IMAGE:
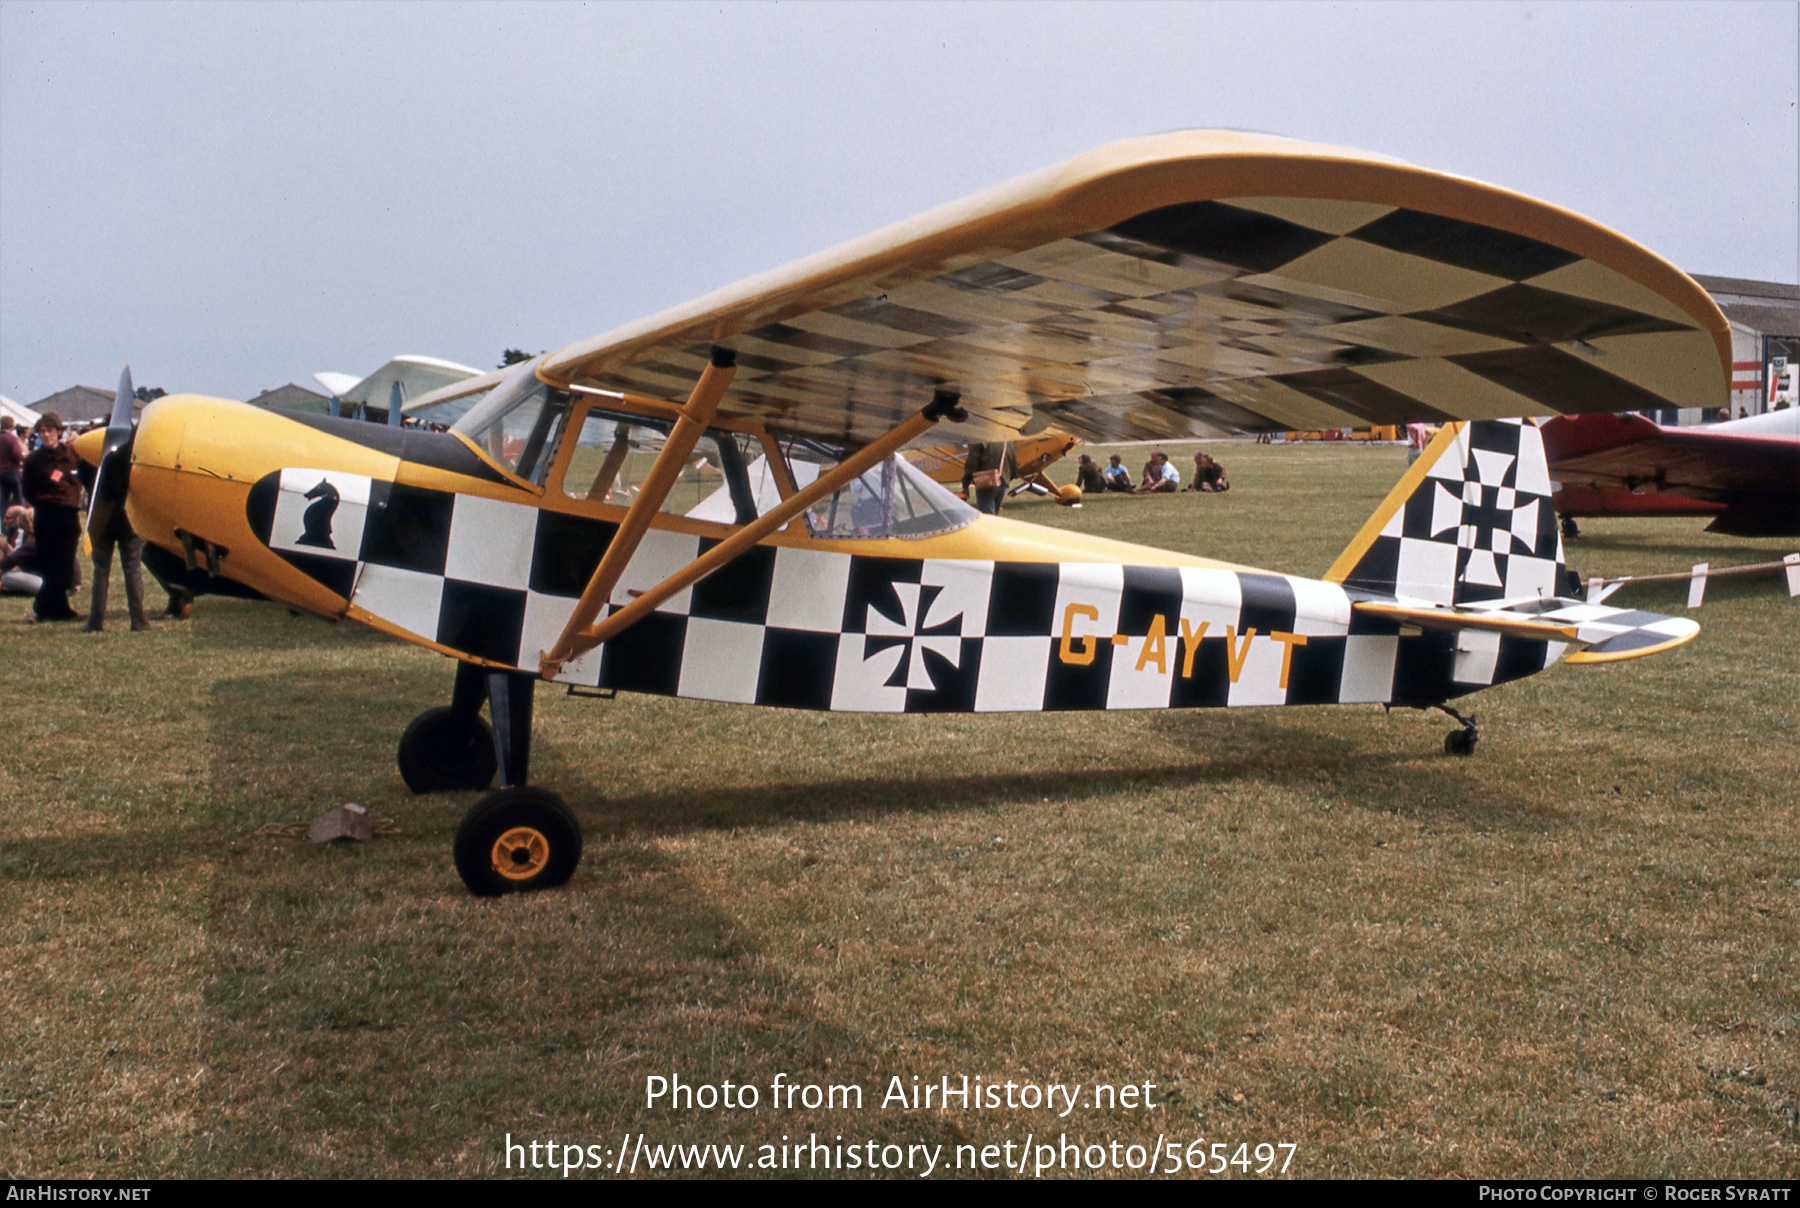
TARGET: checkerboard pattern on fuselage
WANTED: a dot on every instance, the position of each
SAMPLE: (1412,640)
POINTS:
(818,629)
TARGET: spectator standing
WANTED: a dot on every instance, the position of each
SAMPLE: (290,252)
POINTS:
(181,603)
(118,535)
(53,489)
(12,465)
(988,465)
(1417,437)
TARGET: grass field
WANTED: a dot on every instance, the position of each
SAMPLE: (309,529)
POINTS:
(1576,953)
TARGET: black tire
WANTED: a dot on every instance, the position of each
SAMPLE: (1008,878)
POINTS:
(1460,742)
(442,751)
(515,840)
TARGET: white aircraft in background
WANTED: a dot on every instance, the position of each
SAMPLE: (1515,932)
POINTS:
(386,390)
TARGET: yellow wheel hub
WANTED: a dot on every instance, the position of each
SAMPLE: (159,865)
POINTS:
(521,853)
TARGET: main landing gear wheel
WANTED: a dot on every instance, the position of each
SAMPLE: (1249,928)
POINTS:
(1460,742)
(445,749)
(517,839)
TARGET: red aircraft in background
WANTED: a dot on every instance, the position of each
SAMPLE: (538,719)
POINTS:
(1744,473)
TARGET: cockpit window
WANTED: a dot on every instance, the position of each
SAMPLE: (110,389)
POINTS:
(518,424)
(614,452)
(892,499)
(728,479)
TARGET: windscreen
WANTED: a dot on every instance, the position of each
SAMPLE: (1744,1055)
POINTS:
(892,499)
(520,430)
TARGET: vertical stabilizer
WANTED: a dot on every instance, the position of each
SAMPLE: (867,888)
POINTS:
(1471,520)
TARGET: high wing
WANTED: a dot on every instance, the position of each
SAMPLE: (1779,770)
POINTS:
(1194,284)
(1747,471)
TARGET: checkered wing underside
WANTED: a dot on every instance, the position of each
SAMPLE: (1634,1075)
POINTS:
(1219,314)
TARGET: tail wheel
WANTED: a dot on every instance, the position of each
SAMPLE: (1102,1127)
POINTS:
(1460,742)
(443,750)
(515,840)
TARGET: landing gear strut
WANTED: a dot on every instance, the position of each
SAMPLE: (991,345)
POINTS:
(518,837)
(1460,742)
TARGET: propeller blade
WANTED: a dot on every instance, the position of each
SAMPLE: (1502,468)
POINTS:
(122,402)
(113,477)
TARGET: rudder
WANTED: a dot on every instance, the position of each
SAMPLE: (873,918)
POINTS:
(1471,520)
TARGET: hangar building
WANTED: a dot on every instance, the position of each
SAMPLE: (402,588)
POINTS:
(1765,342)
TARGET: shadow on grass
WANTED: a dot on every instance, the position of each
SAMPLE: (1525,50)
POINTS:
(341,729)
(277,747)
(449,1021)
(343,987)
(226,624)
(1261,753)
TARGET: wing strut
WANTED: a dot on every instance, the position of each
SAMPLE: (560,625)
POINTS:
(580,635)
(701,405)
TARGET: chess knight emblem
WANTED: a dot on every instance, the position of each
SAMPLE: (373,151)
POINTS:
(317,517)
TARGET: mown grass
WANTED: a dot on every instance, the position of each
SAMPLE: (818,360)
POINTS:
(1572,954)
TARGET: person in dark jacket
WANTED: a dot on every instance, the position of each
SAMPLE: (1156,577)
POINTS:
(53,489)
(12,461)
(1209,475)
(986,469)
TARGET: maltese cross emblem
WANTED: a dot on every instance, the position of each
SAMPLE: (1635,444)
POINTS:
(912,634)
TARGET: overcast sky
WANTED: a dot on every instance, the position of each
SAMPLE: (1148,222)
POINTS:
(235,196)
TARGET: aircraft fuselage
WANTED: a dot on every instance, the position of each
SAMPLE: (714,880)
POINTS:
(420,535)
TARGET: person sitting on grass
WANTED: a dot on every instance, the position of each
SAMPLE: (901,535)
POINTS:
(19,554)
(1088,476)
(1118,478)
(1209,475)
(1159,476)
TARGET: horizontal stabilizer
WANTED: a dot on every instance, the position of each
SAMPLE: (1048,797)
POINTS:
(1663,633)
(1453,619)
(1610,634)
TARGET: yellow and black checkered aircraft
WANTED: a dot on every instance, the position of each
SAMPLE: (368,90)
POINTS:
(710,503)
